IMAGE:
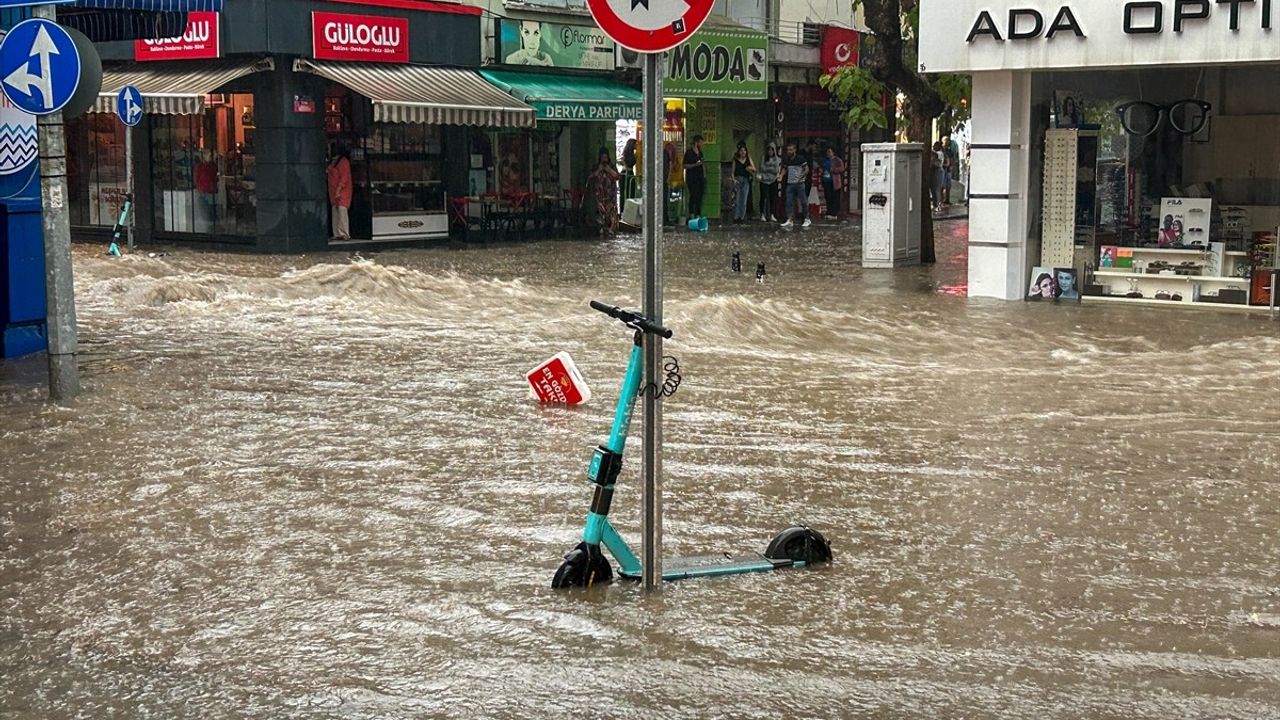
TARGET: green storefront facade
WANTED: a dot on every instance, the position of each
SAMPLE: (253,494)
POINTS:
(719,80)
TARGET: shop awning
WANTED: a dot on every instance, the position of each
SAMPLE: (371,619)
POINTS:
(569,97)
(422,94)
(176,88)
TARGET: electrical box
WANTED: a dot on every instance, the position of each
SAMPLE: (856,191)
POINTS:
(891,204)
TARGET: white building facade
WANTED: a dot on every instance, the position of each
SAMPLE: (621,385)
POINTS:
(1133,142)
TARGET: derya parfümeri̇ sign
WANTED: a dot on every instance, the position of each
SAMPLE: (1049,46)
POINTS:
(719,64)
(544,44)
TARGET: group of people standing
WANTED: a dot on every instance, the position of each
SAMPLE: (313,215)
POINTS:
(789,176)
(946,167)
(786,180)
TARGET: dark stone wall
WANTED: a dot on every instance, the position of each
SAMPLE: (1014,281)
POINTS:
(293,206)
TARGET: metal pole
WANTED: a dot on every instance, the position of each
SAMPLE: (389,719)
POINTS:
(64,376)
(128,173)
(651,516)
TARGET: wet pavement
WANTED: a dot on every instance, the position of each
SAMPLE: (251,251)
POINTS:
(306,487)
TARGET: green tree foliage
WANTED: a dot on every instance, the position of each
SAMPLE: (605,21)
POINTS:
(890,65)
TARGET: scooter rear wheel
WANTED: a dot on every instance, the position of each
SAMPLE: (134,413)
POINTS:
(583,566)
(799,544)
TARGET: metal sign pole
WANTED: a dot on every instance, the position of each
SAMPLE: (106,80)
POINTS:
(64,376)
(651,515)
(128,174)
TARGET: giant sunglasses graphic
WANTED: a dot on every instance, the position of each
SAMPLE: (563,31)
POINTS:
(1143,118)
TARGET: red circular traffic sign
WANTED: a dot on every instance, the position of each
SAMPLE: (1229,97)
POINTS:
(650,26)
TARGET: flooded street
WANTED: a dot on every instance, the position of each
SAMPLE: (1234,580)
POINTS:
(305,487)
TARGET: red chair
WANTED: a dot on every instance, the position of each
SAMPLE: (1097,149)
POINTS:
(460,218)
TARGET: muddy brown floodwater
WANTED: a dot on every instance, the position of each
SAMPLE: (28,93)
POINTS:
(306,487)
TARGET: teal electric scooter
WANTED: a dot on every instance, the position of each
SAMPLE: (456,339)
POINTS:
(586,564)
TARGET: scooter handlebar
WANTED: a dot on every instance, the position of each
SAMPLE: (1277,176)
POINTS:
(632,319)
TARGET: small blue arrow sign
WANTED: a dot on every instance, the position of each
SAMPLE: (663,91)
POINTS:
(129,105)
(39,66)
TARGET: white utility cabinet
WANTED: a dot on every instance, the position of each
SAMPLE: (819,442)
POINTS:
(891,206)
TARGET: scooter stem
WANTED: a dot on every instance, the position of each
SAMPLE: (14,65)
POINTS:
(606,463)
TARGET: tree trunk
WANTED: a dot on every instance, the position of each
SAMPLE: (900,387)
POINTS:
(922,132)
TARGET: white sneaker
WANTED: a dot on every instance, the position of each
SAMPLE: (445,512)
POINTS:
(763,218)
(807,222)
(788,224)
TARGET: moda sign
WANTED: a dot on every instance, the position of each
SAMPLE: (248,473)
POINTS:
(202,40)
(719,64)
(362,38)
(975,35)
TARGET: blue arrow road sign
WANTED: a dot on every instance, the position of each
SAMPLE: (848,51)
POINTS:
(129,105)
(39,66)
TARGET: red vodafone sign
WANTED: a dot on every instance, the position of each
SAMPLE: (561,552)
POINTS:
(650,26)
(201,40)
(363,38)
(839,48)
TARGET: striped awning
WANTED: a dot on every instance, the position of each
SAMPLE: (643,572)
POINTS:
(153,5)
(422,94)
(176,88)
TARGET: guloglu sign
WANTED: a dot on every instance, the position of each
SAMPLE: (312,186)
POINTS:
(361,38)
(202,40)
(977,35)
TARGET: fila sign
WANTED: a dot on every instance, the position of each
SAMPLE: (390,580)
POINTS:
(976,35)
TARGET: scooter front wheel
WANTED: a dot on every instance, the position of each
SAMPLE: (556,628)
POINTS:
(583,566)
(799,544)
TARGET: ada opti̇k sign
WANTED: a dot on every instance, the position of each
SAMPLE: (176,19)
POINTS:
(719,64)
(978,35)
(202,40)
(362,38)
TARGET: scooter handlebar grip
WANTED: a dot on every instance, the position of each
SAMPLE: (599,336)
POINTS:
(631,319)
(656,329)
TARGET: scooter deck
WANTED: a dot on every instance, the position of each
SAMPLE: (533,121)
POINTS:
(716,565)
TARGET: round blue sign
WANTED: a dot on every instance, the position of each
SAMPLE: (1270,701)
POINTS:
(39,66)
(129,105)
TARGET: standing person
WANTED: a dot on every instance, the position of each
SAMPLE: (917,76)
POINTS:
(948,168)
(744,169)
(796,172)
(832,182)
(695,176)
(936,177)
(629,168)
(206,179)
(770,183)
(339,176)
(603,184)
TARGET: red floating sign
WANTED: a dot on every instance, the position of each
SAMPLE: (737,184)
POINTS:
(650,26)
(362,38)
(557,381)
(202,40)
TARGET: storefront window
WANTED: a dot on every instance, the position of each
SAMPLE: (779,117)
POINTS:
(96,175)
(403,167)
(204,169)
(1171,179)
(513,163)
